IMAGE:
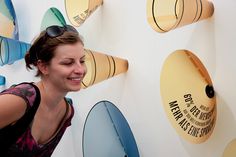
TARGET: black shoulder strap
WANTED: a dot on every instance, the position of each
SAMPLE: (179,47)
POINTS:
(10,134)
(69,101)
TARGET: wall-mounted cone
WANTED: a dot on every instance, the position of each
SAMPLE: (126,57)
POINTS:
(101,67)
(79,10)
(166,15)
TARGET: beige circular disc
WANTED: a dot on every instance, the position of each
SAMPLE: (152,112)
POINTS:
(188,96)
(230,150)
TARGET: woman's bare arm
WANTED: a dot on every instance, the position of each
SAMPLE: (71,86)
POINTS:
(12,108)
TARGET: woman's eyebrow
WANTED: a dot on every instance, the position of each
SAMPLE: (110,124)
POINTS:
(83,57)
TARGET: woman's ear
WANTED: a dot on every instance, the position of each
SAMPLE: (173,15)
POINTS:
(43,67)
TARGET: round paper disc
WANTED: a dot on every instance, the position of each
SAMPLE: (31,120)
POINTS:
(188,96)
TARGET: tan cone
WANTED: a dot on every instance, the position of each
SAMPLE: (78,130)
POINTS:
(166,15)
(101,67)
(79,10)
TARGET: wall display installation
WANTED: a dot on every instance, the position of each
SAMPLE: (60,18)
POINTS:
(188,96)
(166,15)
(113,136)
(186,88)
(101,67)
(79,10)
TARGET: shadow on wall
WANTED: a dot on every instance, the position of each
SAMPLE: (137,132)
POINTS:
(223,131)
(205,48)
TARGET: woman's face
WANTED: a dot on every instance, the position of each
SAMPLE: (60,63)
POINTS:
(67,68)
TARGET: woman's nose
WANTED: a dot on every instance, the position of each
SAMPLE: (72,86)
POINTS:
(80,68)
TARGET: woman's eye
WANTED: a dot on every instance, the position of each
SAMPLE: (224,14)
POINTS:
(82,61)
(67,63)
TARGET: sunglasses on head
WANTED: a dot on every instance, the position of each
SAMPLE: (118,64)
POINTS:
(55,31)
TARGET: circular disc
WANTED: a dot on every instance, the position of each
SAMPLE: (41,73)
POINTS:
(107,133)
(230,149)
(188,96)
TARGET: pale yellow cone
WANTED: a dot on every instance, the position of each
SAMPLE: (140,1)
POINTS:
(101,67)
(79,10)
(166,15)
(6,26)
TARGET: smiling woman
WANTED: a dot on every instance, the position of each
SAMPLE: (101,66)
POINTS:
(34,116)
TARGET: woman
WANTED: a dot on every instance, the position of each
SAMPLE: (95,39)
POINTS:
(34,116)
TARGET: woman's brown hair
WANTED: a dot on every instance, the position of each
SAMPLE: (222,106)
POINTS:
(44,46)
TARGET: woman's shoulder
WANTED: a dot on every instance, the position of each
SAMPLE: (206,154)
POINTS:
(26,90)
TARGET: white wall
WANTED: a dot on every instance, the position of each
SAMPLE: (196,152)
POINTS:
(120,28)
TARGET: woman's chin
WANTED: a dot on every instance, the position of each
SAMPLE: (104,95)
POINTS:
(74,86)
(75,89)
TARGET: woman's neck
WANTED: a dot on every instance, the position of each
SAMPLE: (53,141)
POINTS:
(51,95)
